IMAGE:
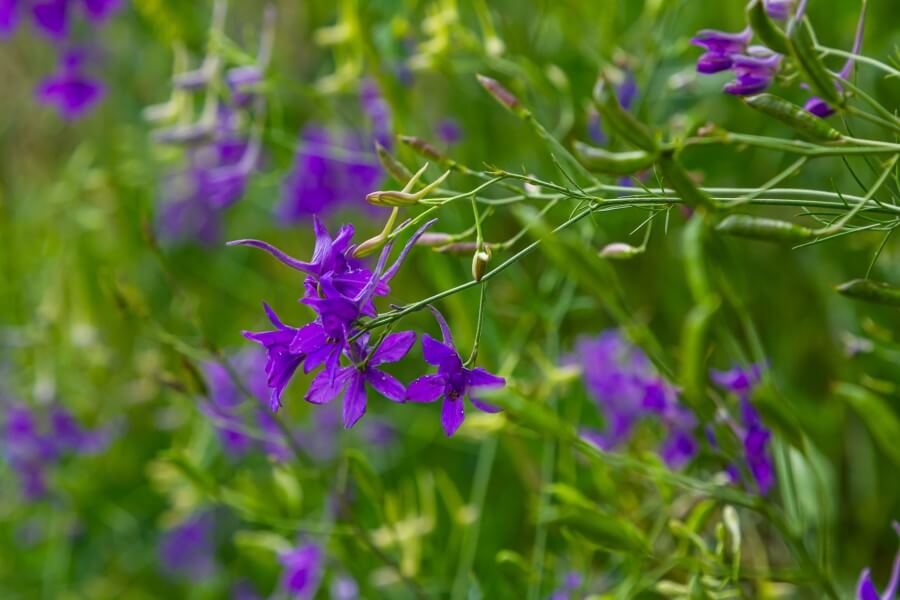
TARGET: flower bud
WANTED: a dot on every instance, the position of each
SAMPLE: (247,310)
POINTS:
(422,148)
(619,251)
(502,95)
(394,167)
(431,240)
(405,197)
(479,263)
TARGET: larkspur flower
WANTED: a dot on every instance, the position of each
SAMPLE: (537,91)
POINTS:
(351,380)
(865,588)
(70,90)
(340,291)
(626,387)
(754,436)
(754,71)
(449,131)
(302,571)
(453,381)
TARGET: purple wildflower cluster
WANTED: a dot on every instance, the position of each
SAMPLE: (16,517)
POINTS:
(331,168)
(220,153)
(755,67)
(865,589)
(340,289)
(752,433)
(71,89)
(626,388)
(32,449)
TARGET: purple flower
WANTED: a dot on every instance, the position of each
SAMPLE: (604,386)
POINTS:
(753,434)
(281,362)
(779,9)
(816,105)
(720,48)
(569,587)
(327,173)
(187,550)
(70,90)
(449,131)
(753,72)
(627,388)
(865,589)
(378,111)
(453,381)
(352,380)
(302,571)
(52,17)
(8,17)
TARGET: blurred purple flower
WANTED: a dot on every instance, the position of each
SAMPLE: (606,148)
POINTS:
(378,111)
(816,105)
(779,9)
(626,387)
(453,382)
(302,571)
(70,90)
(865,589)
(720,48)
(754,72)
(344,587)
(449,131)
(31,452)
(569,587)
(753,434)
(327,172)
(187,550)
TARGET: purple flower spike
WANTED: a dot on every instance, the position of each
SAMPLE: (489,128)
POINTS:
(281,361)
(70,90)
(865,589)
(453,382)
(302,571)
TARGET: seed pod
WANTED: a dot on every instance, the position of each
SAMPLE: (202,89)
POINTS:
(619,251)
(871,291)
(502,95)
(394,167)
(801,121)
(765,29)
(683,185)
(479,263)
(612,163)
(620,120)
(761,228)
(803,49)
(423,148)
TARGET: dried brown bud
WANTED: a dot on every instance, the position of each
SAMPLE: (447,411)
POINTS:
(423,148)
(431,240)
(501,94)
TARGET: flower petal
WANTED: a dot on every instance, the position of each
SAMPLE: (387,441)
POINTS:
(386,385)
(324,388)
(452,415)
(393,348)
(355,400)
(427,388)
(479,378)
(865,589)
(309,338)
(484,406)
(442,323)
(278,254)
(436,353)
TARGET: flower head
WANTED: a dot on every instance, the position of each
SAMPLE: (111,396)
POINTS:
(453,381)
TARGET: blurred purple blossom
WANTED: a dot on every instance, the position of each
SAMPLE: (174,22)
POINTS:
(301,571)
(187,550)
(779,9)
(622,381)
(31,450)
(70,90)
(449,131)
